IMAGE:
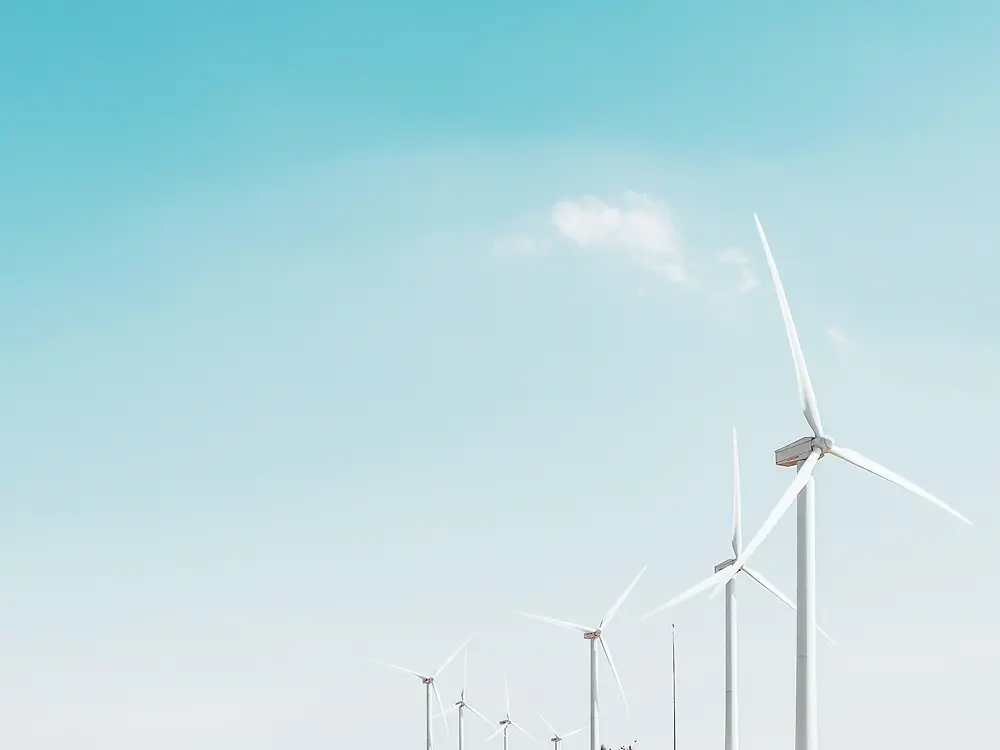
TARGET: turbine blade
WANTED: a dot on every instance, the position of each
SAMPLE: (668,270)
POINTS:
(767,585)
(401,669)
(506,694)
(717,590)
(719,578)
(786,502)
(451,658)
(575,731)
(550,728)
(493,735)
(621,599)
(522,731)
(560,623)
(807,399)
(476,712)
(878,470)
(437,696)
(614,671)
(737,501)
(465,672)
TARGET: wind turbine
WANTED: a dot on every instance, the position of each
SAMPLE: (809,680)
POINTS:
(804,454)
(430,686)
(732,698)
(556,737)
(506,723)
(461,704)
(595,635)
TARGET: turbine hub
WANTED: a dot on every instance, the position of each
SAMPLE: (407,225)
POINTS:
(428,680)
(824,443)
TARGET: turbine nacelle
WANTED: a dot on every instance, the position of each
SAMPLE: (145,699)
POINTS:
(427,680)
(725,564)
(794,453)
(593,635)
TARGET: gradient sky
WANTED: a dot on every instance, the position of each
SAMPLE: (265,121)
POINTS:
(334,334)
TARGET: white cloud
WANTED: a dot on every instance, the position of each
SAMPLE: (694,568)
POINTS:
(734,256)
(839,337)
(640,228)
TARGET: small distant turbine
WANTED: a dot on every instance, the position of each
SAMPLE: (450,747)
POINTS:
(506,723)
(556,737)
(430,686)
(461,704)
(595,635)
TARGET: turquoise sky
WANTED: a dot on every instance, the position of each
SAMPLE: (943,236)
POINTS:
(334,334)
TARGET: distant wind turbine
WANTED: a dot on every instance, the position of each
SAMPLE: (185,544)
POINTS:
(430,686)
(506,723)
(461,705)
(732,682)
(595,635)
(556,737)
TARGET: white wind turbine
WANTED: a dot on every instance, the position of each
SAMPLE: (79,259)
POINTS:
(506,722)
(556,737)
(804,454)
(595,635)
(461,704)
(732,682)
(430,686)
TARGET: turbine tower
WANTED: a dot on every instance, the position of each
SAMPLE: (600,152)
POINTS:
(804,454)
(732,682)
(461,704)
(595,635)
(506,722)
(556,737)
(429,687)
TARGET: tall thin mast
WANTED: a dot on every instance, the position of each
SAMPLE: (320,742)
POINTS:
(673,669)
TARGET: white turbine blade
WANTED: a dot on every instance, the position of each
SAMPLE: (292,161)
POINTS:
(465,672)
(522,731)
(614,671)
(717,590)
(451,658)
(621,599)
(401,669)
(506,695)
(878,470)
(477,713)
(737,502)
(766,584)
(719,578)
(444,717)
(575,731)
(550,728)
(807,398)
(560,623)
(786,502)
(499,731)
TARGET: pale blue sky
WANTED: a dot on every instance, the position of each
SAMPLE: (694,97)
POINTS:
(300,370)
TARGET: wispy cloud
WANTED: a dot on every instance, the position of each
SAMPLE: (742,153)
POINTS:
(840,337)
(735,257)
(639,228)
